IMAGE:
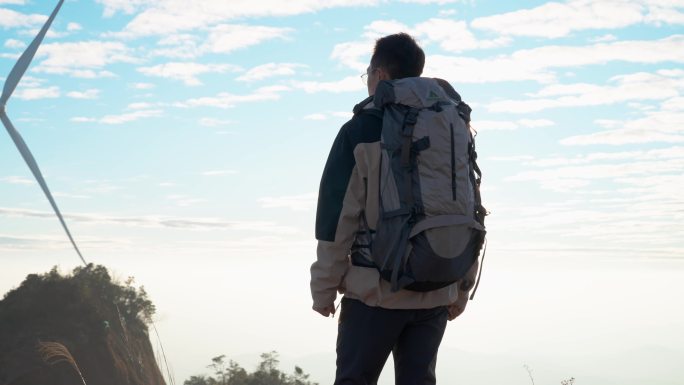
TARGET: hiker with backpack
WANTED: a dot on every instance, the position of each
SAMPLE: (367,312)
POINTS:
(399,221)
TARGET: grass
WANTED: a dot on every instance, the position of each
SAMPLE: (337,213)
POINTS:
(54,352)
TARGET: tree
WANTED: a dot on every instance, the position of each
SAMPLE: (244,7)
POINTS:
(266,373)
(196,380)
(236,374)
(219,368)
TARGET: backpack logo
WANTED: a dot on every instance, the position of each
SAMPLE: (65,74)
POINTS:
(432,96)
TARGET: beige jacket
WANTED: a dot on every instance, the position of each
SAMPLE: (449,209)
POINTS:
(350,186)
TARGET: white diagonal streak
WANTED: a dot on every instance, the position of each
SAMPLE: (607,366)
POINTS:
(10,85)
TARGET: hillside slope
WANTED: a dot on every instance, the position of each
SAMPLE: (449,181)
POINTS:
(100,323)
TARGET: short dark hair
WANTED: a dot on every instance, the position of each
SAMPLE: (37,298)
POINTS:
(399,55)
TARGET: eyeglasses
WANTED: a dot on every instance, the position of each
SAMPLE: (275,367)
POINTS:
(364,77)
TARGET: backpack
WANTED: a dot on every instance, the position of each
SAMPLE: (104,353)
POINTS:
(430,228)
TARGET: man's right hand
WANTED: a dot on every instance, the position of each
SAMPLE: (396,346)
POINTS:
(326,311)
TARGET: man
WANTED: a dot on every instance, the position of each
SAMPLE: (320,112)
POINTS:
(374,320)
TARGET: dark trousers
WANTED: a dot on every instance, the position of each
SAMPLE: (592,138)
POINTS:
(366,336)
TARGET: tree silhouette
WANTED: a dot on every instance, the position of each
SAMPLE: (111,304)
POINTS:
(266,373)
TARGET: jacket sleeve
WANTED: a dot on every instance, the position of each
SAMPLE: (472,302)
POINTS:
(465,285)
(339,205)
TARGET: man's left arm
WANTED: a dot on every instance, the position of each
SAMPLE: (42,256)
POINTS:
(464,285)
(336,222)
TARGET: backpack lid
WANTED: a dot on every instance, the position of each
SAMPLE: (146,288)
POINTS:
(413,92)
(419,92)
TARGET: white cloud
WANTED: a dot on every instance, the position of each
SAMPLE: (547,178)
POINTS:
(470,70)
(570,177)
(6,55)
(665,12)
(222,38)
(329,115)
(316,117)
(213,122)
(658,126)
(342,114)
(226,38)
(51,33)
(37,93)
(268,70)
(140,106)
(121,118)
(186,72)
(59,194)
(534,123)
(74,27)
(155,221)
(142,86)
(510,158)
(184,200)
(507,125)
(162,17)
(554,19)
(87,94)
(638,86)
(451,35)
(181,45)
(604,38)
(303,202)
(348,84)
(674,104)
(17,180)
(447,12)
(12,243)
(125,6)
(14,43)
(661,154)
(438,2)
(13,19)
(355,55)
(380,28)
(15,2)
(228,100)
(85,59)
(536,63)
(130,116)
(454,36)
(82,119)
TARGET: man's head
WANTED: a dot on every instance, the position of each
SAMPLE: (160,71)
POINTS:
(394,57)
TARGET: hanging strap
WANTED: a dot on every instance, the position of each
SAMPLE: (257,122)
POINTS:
(479,274)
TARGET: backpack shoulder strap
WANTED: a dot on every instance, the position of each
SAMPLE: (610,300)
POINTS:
(364,108)
(464,109)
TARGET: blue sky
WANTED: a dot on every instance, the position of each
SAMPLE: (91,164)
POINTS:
(184,142)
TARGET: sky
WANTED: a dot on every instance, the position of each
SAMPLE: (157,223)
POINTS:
(184,142)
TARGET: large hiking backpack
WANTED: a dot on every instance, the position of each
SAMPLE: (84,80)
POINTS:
(430,228)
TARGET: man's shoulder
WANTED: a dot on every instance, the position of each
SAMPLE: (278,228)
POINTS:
(364,127)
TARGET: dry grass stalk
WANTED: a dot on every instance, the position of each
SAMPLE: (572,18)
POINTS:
(529,371)
(54,352)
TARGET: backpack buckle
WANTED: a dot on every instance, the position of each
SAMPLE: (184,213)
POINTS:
(411,117)
(414,213)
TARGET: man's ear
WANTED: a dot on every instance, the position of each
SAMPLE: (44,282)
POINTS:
(383,75)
